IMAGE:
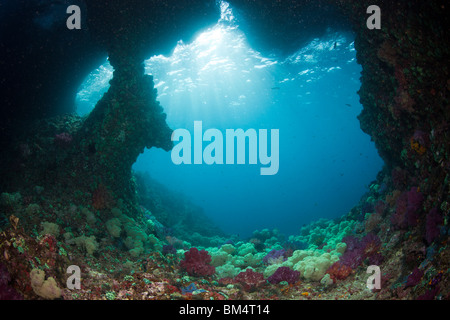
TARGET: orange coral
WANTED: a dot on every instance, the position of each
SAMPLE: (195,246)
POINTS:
(417,147)
(339,271)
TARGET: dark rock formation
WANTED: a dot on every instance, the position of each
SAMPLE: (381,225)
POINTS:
(405,90)
(284,26)
(43,63)
(48,62)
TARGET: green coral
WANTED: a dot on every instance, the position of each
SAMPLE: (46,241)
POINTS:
(324,233)
(110,295)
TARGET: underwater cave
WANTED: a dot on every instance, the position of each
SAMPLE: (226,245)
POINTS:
(326,160)
(89,133)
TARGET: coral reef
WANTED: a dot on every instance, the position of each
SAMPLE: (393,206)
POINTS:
(69,197)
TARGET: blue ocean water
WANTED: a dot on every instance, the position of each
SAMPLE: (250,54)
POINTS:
(325,161)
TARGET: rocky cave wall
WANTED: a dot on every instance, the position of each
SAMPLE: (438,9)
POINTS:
(405,91)
(98,153)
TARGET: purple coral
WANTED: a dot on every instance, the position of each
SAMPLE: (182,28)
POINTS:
(398,218)
(274,255)
(371,246)
(407,209)
(414,278)
(7,292)
(284,274)
(430,294)
(359,250)
(415,200)
(352,256)
(432,231)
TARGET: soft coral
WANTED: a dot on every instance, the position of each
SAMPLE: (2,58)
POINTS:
(250,279)
(359,250)
(339,271)
(196,263)
(7,292)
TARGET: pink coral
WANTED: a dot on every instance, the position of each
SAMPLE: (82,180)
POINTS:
(250,279)
(197,263)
